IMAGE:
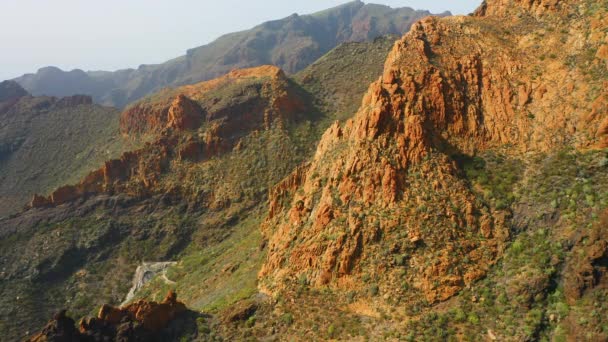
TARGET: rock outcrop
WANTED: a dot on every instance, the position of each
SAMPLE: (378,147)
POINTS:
(184,114)
(143,169)
(386,180)
(202,121)
(181,113)
(187,107)
(141,321)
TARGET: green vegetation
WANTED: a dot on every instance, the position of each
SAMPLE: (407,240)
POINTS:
(493,176)
(523,297)
(339,79)
(202,275)
(43,146)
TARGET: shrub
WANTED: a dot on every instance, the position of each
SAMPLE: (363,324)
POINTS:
(400,260)
(459,315)
(374,290)
(250,322)
(331,331)
(287,318)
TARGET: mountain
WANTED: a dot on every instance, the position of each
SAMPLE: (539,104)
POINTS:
(46,142)
(291,44)
(465,196)
(196,191)
(464,200)
(10,90)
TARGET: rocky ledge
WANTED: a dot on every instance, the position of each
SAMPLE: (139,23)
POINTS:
(140,321)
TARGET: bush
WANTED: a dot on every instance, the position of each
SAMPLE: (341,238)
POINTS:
(250,322)
(287,318)
(374,290)
(459,315)
(331,331)
(400,260)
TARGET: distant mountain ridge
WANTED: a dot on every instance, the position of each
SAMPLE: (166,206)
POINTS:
(291,43)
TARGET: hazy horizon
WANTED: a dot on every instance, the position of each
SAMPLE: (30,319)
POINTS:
(113,35)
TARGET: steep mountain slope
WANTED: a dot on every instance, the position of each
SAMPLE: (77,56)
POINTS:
(196,195)
(46,142)
(450,157)
(291,43)
(465,200)
(338,79)
(79,247)
(10,91)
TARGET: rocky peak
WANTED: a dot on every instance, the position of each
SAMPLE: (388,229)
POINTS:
(11,90)
(451,85)
(509,7)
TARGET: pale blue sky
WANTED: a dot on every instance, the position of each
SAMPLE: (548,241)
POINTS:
(117,34)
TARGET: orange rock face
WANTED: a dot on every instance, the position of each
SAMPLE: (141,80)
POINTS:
(190,126)
(113,324)
(181,113)
(181,108)
(154,316)
(385,180)
(502,7)
(184,114)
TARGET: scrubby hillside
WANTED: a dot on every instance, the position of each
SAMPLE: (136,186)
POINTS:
(465,200)
(196,195)
(338,79)
(46,142)
(291,43)
(465,190)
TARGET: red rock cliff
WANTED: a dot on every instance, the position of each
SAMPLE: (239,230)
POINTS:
(385,179)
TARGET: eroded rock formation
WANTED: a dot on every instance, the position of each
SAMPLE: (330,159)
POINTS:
(139,321)
(386,180)
(200,122)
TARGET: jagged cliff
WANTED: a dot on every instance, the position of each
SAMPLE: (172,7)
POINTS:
(193,123)
(387,197)
(464,200)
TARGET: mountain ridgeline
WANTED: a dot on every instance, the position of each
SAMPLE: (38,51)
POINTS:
(291,44)
(449,185)
(196,191)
